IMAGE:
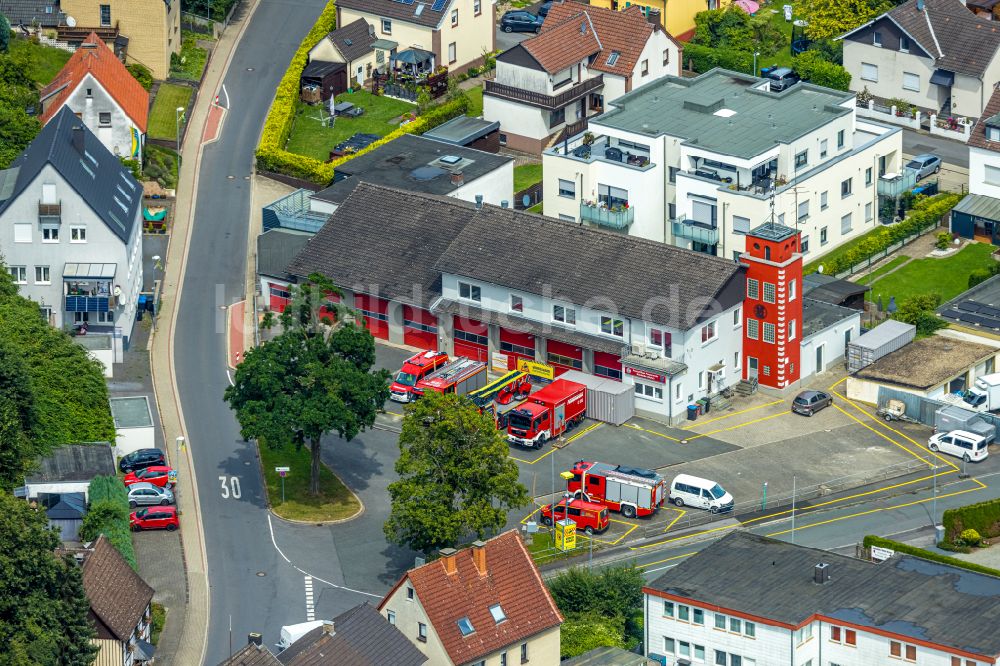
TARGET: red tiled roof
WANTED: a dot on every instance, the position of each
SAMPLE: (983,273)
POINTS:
(511,580)
(625,32)
(978,137)
(570,41)
(100,62)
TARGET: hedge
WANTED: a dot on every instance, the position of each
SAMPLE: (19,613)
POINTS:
(704,58)
(983,517)
(108,515)
(925,213)
(271,155)
(906,549)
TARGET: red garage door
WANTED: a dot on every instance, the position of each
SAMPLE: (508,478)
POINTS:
(516,346)
(419,328)
(471,339)
(607,365)
(375,311)
(563,357)
(278,298)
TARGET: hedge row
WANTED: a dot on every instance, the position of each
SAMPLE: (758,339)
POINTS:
(703,58)
(983,517)
(906,549)
(926,213)
(108,515)
(271,155)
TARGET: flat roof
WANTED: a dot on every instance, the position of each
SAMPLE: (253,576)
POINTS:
(462,130)
(927,362)
(903,596)
(131,412)
(819,315)
(831,289)
(90,271)
(759,119)
(971,302)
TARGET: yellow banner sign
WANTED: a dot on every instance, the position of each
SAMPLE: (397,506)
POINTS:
(565,535)
(536,369)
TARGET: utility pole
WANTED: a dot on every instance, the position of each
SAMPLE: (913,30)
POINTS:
(793,509)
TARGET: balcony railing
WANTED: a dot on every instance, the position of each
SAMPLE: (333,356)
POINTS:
(894,184)
(87,304)
(701,232)
(618,219)
(49,212)
(541,99)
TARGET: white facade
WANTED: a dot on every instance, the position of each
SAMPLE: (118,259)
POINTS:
(823,349)
(984,172)
(33,490)
(106,118)
(713,635)
(37,253)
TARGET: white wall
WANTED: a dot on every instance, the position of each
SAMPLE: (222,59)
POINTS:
(496,186)
(978,161)
(521,119)
(34,489)
(834,347)
(118,136)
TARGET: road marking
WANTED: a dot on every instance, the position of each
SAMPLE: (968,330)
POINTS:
(737,427)
(686,536)
(669,559)
(552,449)
(229,376)
(883,435)
(695,424)
(680,514)
(273,542)
(310,606)
(651,432)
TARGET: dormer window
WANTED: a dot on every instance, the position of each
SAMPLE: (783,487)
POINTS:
(993,132)
(613,58)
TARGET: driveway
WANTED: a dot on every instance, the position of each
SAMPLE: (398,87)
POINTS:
(507,40)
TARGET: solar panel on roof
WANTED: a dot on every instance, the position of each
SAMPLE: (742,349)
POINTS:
(405,2)
(988,322)
(969,306)
(439,5)
(989,311)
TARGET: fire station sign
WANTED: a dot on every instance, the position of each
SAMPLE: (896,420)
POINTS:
(536,369)
(645,374)
(565,534)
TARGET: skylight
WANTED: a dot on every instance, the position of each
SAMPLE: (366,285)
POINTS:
(465,626)
(725,113)
(86,168)
(497,612)
(613,58)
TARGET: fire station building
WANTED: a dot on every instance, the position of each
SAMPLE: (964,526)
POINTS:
(500,285)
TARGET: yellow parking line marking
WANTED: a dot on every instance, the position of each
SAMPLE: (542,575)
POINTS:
(736,427)
(524,521)
(669,559)
(884,436)
(591,427)
(839,382)
(527,462)
(686,536)
(651,432)
(632,528)
(552,449)
(742,411)
(680,514)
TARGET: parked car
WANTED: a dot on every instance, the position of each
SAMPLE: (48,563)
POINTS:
(154,518)
(924,164)
(146,494)
(158,475)
(687,490)
(592,518)
(543,11)
(519,20)
(780,78)
(963,444)
(810,402)
(141,459)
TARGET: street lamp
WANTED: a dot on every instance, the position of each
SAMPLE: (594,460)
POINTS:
(178,116)
(755,54)
(156,266)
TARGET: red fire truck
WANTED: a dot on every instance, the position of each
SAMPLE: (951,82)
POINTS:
(414,369)
(633,491)
(460,376)
(558,407)
(502,395)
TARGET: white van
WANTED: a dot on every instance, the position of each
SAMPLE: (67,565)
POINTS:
(687,490)
(960,443)
(293,632)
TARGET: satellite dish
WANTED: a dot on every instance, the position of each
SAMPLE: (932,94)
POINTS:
(819,269)
(118,291)
(70,21)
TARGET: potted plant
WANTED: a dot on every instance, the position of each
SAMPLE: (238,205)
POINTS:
(588,138)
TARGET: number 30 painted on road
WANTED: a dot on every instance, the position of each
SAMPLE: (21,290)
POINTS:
(230,487)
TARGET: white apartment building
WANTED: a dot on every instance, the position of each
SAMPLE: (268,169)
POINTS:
(699,162)
(747,600)
(71,230)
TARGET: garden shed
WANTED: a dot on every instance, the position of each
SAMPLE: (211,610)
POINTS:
(324,79)
(133,424)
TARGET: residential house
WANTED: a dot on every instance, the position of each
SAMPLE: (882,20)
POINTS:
(978,214)
(147,31)
(65,512)
(934,54)
(29,13)
(746,600)
(69,469)
(71,230)
(120,605)
(444,33)
(486,604)
(351,48)
(677,17)
(584,58)
(95,86)
(697,162)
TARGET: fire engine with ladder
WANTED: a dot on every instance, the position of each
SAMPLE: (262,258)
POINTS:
(461,376)
(502,395)
(632,491)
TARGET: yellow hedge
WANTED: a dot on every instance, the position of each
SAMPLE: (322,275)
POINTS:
(271,155)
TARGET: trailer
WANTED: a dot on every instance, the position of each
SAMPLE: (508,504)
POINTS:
(547,414)
(461,376)
(632,491)
(950,418)
(895,410)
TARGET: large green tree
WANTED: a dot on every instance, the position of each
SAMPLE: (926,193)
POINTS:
(455,476)
(17,92)
(601,608)
(18,418)
(43,608)
(313,378)
(831,19)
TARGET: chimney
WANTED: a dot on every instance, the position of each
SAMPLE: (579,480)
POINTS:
(479,202)
(821,573)
(328,628)
(457,179)
(448,557)
(254,638)
(505,204)
(479,556)
(78,136)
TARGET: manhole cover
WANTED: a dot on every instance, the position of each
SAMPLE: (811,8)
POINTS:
(230,177)
(261,574)
(249,69)
(246,177)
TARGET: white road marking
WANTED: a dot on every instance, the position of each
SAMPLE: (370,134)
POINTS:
(226,94)
(669,566)
(310,607)
(275,543)
(230,378)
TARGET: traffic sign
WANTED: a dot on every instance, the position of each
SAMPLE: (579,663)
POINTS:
(280,470)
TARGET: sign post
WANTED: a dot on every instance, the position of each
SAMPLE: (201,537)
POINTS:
(282,471)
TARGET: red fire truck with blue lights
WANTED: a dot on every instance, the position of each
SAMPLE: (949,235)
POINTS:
(414,369)
(461,376)
(545,415)
(632,491)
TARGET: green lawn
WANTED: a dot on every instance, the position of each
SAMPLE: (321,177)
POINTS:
(783,58)
(527,175)
(882,270)
(475,101)
(335,501)
(947,277)
(311,138)
(537,208)
(45,61)
(163,115)
(193,57)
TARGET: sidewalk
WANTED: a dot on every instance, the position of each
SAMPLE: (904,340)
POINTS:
(193,622)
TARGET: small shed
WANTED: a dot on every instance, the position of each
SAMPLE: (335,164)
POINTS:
(133,424)
(65,512)
(469,132)
(69,469)
(884,339)
(608,400)
(835,291)
(328,79)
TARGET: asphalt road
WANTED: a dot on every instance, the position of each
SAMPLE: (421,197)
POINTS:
(236,529)
(952,152)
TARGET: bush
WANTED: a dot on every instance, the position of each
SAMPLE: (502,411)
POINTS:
(582,633)
(812,67)
(970,537)
(919,311)
(108,515)
(982,518)
(141,74)
(943,240)
(612,599)
(133,166)
(732,29)
(907,549)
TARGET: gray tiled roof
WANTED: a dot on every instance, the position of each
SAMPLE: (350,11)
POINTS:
(75,462)
(45,13)
(960,41)
(277,247)
(354,40)
(252,655)
(54,145)
(418,12)
(686,108)
(904,596)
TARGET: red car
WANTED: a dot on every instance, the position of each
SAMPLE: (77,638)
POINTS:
(158,475)
(154,518)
